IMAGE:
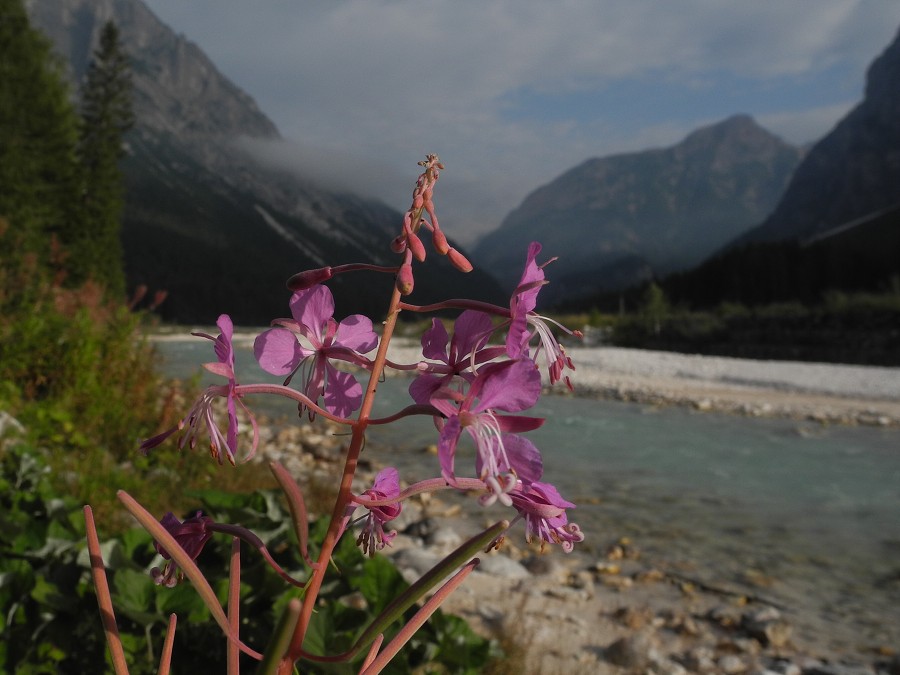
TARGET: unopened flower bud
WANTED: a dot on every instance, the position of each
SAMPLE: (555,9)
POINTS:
(439,241)
(303,280)
(405,280)
(459,261)
(416,246)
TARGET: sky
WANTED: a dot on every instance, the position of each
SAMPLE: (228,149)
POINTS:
(512,93)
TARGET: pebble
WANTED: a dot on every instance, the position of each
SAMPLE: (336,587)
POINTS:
(549,566)
(445,538)
(502,566)
(730,664)
(767,626)
(699,660)
(632,652)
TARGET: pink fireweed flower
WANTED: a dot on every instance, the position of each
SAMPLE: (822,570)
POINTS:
(459,355)
(544,512)
(521,307)
(278,351)
(509,386)
(202,413)
(373,537)
(192,535)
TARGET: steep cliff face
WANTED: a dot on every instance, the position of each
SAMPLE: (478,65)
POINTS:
(852,172)
(615,220)
(177,89)
(204,218)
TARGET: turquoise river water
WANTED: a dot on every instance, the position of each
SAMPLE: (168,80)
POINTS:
(721,498)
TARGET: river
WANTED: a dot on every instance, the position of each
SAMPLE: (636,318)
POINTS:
(805,515)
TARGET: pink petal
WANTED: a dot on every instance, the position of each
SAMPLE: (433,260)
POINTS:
(343,394)
(447,447)
(524,300)
(388,482)
(355,332)
(525,458)
(277,351)
(312,308)
(226,327)
(511,386)
(551,495)
(219,368)
(517,424)
(422,388)
(434,342)
(470,330)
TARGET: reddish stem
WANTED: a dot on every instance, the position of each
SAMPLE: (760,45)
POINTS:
(104,599)
(345,492)
(234,607)
(165,660)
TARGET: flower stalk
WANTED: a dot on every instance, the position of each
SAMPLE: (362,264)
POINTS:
(473,387)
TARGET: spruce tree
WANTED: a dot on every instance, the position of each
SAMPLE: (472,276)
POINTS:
(106,115)
(39,174)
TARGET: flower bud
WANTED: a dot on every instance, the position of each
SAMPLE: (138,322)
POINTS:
(416,246)
(439,241)
(303,280)
(459,260)
(405,280)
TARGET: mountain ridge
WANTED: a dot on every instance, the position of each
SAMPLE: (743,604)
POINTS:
(654,211)
(205,219)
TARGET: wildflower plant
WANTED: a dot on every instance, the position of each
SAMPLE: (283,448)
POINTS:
(476,383)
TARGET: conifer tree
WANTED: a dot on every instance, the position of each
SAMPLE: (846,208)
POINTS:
(39,174)
(106,115)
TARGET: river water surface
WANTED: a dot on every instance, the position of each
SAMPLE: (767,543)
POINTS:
(805,515)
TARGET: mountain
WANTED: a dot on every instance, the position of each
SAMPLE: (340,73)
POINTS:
(853,172)
(837,227)
(206,218)
(618,220)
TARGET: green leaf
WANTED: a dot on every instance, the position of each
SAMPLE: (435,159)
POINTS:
(380,582)
(183,601)
(134,590)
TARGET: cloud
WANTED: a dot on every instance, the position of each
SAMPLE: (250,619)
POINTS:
(382,82)
(805,126)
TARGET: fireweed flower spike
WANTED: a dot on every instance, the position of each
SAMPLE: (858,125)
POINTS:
(521,307)
(510,386)
(278,351)
(202,412)
(192,534)
(373,537)
(544,512)
(464,383)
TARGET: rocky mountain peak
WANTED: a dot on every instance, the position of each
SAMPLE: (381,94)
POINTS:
(650,212)
(736,139)
(177,89)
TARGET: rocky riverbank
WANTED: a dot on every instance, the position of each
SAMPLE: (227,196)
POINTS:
(618,608)
(614,610)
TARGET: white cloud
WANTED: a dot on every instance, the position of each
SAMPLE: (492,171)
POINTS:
(389,80)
